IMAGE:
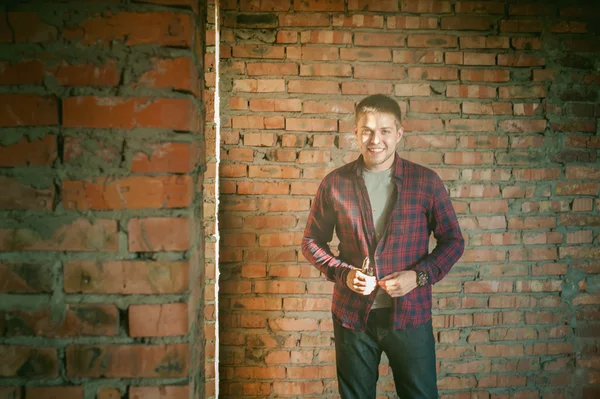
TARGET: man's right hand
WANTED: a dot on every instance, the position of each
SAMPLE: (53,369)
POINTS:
(361,283)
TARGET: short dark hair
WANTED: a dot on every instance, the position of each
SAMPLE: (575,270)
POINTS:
(378,103)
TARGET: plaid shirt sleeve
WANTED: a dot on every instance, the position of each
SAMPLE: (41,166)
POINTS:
(318,234)
(442,221)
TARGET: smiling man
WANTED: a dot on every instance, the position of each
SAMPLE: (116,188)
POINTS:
(383,210)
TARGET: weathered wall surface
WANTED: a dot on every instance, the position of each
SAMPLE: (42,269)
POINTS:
(500,99)
(101,166)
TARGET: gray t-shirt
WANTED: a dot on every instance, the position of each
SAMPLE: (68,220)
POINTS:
(380,187)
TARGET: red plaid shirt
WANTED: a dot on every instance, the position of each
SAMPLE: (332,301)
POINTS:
(422,206)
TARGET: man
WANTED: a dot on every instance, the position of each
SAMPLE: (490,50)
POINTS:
(383,209)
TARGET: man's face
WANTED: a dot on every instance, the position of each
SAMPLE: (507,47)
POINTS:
(377,136)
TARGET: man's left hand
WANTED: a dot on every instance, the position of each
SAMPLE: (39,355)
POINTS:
(399,283)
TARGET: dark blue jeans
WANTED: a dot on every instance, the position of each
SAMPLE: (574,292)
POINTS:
(411,354)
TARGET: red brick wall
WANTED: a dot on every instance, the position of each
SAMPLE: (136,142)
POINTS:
(500,99)
(102,157)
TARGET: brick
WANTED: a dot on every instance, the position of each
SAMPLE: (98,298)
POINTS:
(443,107)
(259,85)
(25,278)
(325,70)
(164,320)
(527,109)
(358,21)
(127,361)
(28,362)
(468,158)
(479,58)
(10,392)
(569,27)
(523,126)
(370,55)
(19,196)
(311,124)
(268,68)
(262,188)
(158,234)
(583,172)
(280,287)
(282,205)
(532,9)
(27,27)
(485,75)
(169,29)
(314,157)
(318,5)
(260,139)
(478,7)
(481,141)
(433,73)
(420,125)
(470,125)
(418,56)
(381,72)
(171,73)
(275,105)
(467,23)
(470,91)
(166,158)
(324,107)
(379,39)
(457,382)
(87,74)
(54,392)
(128,113)
(429,141)
(60,235)
(313,86)
(493,42)
(475,191)
(265,5)
(532,222)
(287,37)
(575,125)
(21,73)
(126,277)
(270,222)
(313,53)
(257,51)
(366,5)
(520,60)
(366,88)
(100,151)
(495,108)
(159,392)
(438,41)
(304,19)
(109,393)
(412,90)
(520,26)
(577,188)
(75,320)
(135,192)
(325,37)
(522,92)
(411,22)
(27,110)
(425,6)
(526,43)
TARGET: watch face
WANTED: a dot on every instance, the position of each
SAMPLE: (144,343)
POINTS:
(422,279)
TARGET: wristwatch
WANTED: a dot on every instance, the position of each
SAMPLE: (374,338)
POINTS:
(422,278)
